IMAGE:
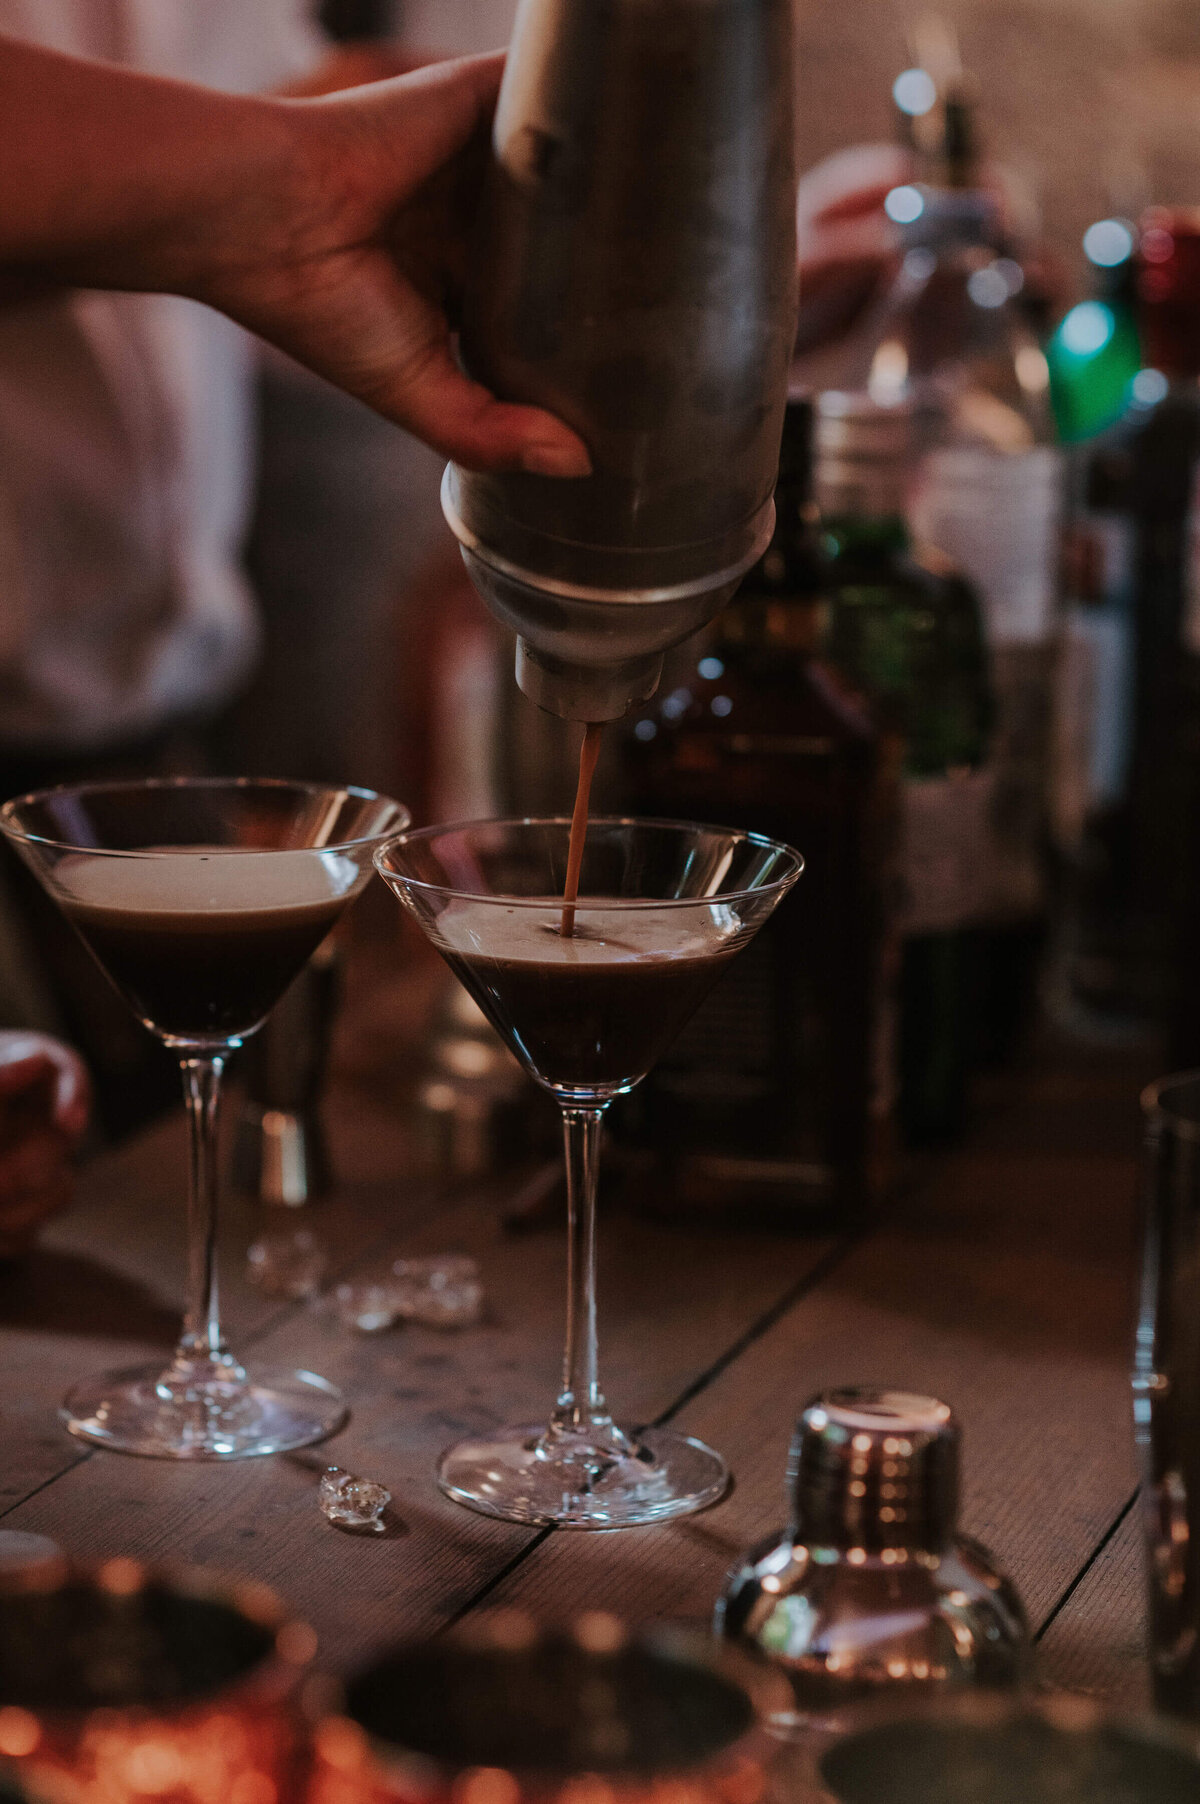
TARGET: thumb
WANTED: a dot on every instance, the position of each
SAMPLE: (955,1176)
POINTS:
(465,421)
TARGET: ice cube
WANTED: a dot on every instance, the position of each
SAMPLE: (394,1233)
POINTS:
(288,1264)
(349,1501)
(441,1292)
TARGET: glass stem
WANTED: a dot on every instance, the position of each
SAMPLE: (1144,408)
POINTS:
(581,1406)
(202,1339)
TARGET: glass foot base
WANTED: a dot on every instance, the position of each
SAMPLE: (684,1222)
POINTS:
(530,1475)
(149,1411)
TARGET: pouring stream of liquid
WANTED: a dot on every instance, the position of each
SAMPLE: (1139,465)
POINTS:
(588,754)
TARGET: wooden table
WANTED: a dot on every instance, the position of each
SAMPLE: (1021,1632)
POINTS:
(1002,1281)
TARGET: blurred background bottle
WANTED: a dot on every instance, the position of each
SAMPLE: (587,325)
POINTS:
(1095,360)
(906,629)
(1129,722)
(1164,455)
(779,1092)
(952,343)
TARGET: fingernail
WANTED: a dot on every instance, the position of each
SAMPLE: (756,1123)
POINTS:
(556,460)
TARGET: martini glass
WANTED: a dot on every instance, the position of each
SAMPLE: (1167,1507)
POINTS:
(201,900)
(663,907)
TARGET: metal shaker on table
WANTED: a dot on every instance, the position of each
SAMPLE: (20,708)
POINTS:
(871,1587)
(635,274)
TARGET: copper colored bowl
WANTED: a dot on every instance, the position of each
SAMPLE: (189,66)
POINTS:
(121,1682)
(503,1713)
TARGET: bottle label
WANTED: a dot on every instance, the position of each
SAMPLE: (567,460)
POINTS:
(997,518)
(946,853)
(1093,709)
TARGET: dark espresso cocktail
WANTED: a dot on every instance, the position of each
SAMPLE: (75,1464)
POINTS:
(203,944)
(594,1010)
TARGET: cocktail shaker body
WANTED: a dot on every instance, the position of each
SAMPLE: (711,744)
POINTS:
(634,273)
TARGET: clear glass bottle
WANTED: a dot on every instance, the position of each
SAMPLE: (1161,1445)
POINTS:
(952,343)
(908,632)
(774,1103)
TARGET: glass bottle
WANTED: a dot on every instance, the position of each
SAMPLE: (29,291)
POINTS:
(908,631)
(1095,364)
(1164,497)
(775,1102)
(1095,352)
(952,343)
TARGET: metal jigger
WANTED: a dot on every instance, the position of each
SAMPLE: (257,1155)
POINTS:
(635,274)
(870,1586)
(279,1151)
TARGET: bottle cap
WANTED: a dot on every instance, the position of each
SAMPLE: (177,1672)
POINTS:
(875,1469)
(862,454)
(1168,287)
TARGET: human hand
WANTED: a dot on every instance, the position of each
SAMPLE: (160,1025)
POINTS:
(847,244)
(356,268)
(44,1099)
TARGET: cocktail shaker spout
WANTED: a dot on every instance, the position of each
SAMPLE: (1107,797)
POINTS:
(634,273)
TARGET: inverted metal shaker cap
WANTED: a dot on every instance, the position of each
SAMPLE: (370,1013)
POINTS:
(875,1469)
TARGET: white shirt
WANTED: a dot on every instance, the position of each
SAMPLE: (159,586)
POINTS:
(126,437)
(460,27)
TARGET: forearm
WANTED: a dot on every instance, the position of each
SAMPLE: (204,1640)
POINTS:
(111,178)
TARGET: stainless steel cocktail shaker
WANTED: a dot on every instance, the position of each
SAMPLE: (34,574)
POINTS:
(634,273)
(870,1587)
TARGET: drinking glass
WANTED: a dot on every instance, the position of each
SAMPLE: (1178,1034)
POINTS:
(201,900)
(663,906)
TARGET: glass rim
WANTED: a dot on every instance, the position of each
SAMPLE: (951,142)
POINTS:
(1155,1102)
(742,835)
(12,831)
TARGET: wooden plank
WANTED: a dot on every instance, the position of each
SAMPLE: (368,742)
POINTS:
(671,1303)
(1005,1287)
(1096,1644)
(104,1287)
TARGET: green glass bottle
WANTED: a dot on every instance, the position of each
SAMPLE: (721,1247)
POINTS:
(1095,352)
(908,630)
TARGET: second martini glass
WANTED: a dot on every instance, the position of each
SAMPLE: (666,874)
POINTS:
(663,907)
(201,900)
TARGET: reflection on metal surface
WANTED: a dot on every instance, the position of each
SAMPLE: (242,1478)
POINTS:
(870,1586)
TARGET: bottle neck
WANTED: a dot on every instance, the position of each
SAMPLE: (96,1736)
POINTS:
(851,533)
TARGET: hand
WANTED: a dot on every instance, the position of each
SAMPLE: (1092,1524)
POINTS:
(847,244)
(360,269)
(352,65)
(336,228)
(44,1099)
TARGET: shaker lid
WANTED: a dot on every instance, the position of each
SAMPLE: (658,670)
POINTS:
(875,1469)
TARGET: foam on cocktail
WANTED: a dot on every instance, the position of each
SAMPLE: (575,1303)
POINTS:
(605,934)
(191,880)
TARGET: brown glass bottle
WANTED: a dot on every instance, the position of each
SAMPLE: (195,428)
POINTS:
(774,1102)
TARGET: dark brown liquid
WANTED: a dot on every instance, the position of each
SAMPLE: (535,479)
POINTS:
(589,752)
(204,976)
(594,1013)
(201,972)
